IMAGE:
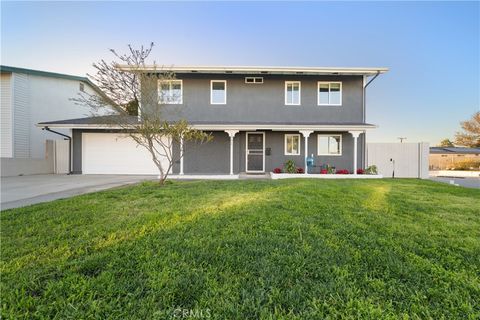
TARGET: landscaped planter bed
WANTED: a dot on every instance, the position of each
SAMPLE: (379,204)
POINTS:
(324,176)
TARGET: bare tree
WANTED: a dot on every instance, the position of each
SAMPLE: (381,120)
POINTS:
(470,137)
(131,84)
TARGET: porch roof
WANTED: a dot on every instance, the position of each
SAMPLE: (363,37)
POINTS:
(118,122)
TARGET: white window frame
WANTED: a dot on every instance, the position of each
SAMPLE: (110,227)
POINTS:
(299,93)
(287,135)
(329,85)
(329,154)
(211,92)
(170,81)
(255,80)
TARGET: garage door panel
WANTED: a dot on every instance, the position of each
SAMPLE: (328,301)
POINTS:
(110,153)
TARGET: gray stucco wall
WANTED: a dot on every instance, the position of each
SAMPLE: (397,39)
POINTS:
(263,102)
(214,157)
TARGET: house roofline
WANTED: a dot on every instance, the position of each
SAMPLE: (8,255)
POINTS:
(42,73)
(9,69)
(260,70)
(222,127)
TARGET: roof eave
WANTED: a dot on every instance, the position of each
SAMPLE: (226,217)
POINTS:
(219,127)
(258,70)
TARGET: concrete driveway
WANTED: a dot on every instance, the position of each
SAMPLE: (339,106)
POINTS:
(26,190)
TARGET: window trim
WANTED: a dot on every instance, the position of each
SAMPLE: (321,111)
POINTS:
(299,93)
(256,80)
(329,90)
(330,154)
(285,150)
(170,89)
(211,92)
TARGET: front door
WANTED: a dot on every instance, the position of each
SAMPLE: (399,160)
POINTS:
(255,152)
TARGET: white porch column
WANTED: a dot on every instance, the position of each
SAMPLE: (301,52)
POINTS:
(181,156)
(231,134)
(355,135)
(306,134)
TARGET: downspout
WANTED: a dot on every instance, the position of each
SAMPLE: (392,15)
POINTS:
(69,146)
(365,117)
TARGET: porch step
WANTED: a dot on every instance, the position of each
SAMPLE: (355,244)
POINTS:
(245,175)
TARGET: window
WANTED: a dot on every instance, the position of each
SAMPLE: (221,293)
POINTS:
(253,80)
(292,144)
(170,91)
(292,93)
(329,93)
(329,145)
(218,92)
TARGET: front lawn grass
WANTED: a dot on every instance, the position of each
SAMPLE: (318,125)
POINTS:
(287,249)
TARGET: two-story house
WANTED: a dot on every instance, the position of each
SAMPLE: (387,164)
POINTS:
(28,97)
(259,118)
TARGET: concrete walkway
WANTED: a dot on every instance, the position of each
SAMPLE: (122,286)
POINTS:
(26,190)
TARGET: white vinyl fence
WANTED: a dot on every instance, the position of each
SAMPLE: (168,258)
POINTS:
(405,160)
(61,156)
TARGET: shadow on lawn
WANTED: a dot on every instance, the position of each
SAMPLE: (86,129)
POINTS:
(257,250)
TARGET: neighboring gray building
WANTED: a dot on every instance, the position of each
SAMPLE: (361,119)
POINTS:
(27,98)
(260,117)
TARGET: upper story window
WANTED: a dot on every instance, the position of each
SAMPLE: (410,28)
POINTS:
(170,91)
(329,145)
(292,93)
(292,144)
(218,92)
(329,93)
(258,80)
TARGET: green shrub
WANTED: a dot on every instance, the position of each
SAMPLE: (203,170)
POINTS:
(290,167)
(371,169)
(330,169)
(467,165)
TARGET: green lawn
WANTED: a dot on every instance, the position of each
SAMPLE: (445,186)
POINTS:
(291,249)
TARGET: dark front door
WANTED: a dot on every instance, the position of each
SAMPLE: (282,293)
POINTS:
(255,151)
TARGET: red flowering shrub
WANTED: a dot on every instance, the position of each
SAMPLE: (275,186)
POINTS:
(300,170)
(360,171)
(342,171)
(323,171)
(277,170)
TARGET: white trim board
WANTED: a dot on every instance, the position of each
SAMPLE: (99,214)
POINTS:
(221,127)
(261,69)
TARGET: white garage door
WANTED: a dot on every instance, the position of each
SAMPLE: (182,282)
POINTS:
(111,153)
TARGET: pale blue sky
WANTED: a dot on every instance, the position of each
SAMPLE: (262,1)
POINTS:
(432,49)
